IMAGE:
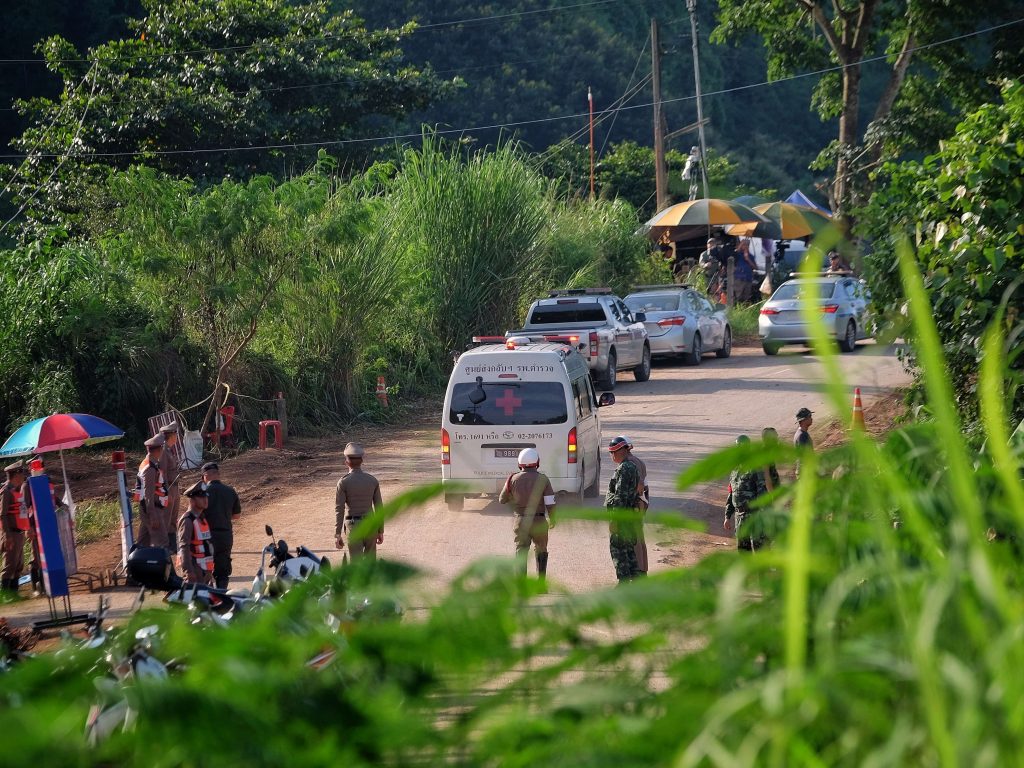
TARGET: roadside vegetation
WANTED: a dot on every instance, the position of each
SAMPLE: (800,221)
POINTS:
(313,286)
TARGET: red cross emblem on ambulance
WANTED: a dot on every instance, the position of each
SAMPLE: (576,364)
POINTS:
(508,402)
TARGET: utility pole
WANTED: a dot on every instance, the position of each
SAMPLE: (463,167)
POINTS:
(691,6)
(660,172)
(590,102)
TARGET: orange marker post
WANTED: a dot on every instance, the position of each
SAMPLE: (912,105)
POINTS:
(382,392)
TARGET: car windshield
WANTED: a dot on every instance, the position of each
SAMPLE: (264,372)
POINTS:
(790,291)
(664,302)
(527,402)
(550,314)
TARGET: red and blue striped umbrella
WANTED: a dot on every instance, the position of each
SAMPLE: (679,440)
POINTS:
(59,432)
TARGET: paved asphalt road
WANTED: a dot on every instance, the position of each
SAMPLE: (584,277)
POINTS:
(680,415)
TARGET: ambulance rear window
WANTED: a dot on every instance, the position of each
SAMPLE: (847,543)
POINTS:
(520,403)
(589,312)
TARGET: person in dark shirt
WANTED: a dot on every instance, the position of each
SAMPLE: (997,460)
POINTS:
(221,512)
(802,439)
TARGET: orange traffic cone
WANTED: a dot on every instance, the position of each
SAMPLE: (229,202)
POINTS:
(858,410)
(382,392)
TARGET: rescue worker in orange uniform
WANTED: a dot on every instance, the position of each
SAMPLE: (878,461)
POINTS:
(151,494)
(357,495)
(14,519)
(534,499)
(171,469)
(195,543)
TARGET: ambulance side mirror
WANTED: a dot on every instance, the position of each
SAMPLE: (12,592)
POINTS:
(606,398)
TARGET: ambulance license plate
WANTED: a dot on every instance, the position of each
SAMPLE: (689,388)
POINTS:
(505,453)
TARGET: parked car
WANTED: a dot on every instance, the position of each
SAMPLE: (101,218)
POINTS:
(597,322)
(841,298)
(681,322)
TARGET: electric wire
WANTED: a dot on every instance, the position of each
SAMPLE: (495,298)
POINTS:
(322,38)
(636,66)
(510,124)
(78,131)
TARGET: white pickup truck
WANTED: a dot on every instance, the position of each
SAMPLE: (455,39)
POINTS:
(609,336)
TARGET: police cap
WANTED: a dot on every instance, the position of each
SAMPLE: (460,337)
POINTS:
(803,413)
(196,489)
(157,441)
(354,451)
(168,429)
(16,467)
(211,466)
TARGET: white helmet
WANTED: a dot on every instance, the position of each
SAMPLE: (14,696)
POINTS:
(528,457)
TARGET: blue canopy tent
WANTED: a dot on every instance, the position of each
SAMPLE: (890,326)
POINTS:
(799,198)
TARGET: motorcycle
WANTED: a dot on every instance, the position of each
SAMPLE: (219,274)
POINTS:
(288,568)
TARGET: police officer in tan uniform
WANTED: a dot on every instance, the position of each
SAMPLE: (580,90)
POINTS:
(534,499)
(357,495)
(171,469)
(14,520)
(152,497)
(195,544)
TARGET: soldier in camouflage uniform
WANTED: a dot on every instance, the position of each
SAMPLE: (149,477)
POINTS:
(744,487)
(624,492)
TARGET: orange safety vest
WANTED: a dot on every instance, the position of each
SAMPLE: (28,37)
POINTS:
(202,546)
(159,493)
(18,511)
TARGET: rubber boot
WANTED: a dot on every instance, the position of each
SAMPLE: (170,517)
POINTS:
(542,564)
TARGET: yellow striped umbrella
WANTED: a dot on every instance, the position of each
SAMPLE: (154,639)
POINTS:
(788,222)
(708,212)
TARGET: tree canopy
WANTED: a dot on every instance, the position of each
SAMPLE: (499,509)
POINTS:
(962,211)
(198,76)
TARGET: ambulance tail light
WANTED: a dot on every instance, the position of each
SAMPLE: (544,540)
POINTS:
(572,445)
(595,346)
(446,447)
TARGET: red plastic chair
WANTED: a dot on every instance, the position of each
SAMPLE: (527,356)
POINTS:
(227,432)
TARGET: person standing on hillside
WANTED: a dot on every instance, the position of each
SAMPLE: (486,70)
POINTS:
(195,545)
(530,491)
(222,509)
(14,519)
(624,491)
(151,495)
(171,468)
(357,495)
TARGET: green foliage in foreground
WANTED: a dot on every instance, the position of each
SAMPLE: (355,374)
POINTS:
(882,628)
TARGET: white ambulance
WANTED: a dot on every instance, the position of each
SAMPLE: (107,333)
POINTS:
(523,392)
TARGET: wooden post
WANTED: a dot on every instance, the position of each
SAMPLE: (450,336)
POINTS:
(660,173)
(282,414)
(730,273)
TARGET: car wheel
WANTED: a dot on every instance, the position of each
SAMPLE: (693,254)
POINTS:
(593,490)
(643,371)
(849,341)
(770,348)
(696,351)
(726,349)
(607,381)
(455,501)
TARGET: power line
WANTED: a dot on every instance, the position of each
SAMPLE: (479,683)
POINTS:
(636,66)
(78,131)
(512,124)
(323,38)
